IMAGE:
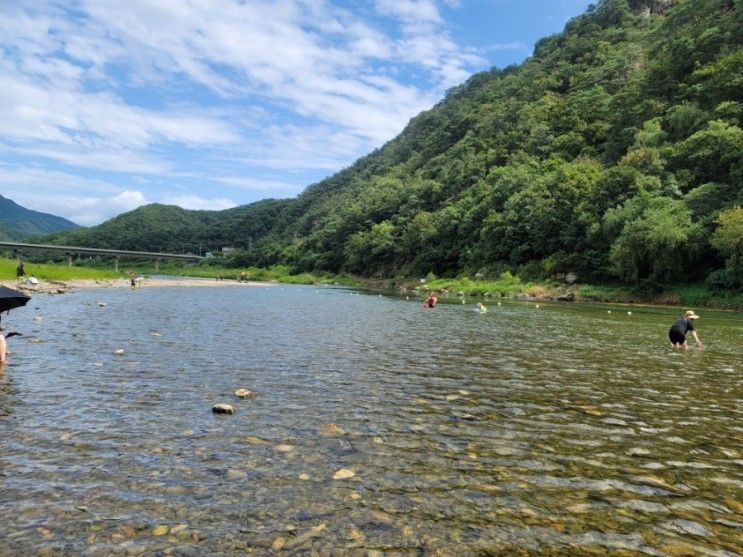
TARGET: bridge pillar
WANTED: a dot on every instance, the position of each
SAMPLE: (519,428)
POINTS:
(157,265)
(116,264)
(69,260)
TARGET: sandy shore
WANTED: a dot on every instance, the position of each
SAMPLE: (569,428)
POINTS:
(60,287)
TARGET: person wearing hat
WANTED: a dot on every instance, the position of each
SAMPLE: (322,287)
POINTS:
(684,325)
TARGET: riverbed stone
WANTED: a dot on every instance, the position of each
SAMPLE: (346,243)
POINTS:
(233,474)
(344,474)
(222,408)
(252,440)
(245,393)
(160,530)
(331,430)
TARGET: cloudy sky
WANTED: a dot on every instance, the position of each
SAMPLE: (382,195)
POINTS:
(109,105)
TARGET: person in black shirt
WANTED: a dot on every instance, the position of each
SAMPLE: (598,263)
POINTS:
(684,325)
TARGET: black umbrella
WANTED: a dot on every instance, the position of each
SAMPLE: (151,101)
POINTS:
(11,299)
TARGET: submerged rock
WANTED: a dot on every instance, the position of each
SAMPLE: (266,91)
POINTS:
(344,474)
(245,393)
(331,430)
(222,408)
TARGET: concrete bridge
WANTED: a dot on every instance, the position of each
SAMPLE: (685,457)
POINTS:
(69,251)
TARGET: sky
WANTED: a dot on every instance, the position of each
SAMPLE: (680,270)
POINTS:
(109,105)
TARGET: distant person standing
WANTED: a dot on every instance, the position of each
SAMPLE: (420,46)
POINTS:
(20,271)
(679,330)
(132,279)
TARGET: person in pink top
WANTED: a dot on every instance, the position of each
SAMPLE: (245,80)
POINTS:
(431,300)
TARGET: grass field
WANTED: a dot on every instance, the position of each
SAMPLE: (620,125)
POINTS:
(53,271)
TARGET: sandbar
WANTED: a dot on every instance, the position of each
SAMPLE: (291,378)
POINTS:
(61,287)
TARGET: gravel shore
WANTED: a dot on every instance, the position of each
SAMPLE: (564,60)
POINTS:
(60,287)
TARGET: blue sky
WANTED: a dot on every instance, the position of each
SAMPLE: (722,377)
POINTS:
(106,106)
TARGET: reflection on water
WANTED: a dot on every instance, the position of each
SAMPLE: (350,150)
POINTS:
(558,430)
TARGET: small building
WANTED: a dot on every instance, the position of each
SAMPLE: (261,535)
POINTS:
(228,250)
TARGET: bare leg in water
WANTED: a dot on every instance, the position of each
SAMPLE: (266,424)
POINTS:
(3,349)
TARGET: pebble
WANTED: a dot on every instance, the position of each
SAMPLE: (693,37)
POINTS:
(244,393)
(344,474)
(102,304)
(222,408)
(304,477)
(251,440)
(233,474)
(331,430)
(160,530)
(119,352)
(284,448)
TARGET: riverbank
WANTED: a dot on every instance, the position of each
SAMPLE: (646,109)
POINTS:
(62,287)
(510,286)
(56,279)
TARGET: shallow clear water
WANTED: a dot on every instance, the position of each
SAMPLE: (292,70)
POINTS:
(563,429)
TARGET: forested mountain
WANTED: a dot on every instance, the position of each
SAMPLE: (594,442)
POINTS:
(19,223)
(171,229)
(615,152)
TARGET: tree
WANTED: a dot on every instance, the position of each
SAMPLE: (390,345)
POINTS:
(728,240)
(655,238)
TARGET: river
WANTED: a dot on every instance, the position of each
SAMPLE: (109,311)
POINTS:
(379,428)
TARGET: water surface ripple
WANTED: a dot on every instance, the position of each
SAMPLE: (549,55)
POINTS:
(563,429)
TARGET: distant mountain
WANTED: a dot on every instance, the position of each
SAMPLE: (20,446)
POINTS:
(168,228)
(19,223)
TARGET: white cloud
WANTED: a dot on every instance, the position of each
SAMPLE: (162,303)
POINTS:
(148,92)
(85,210)
(410,11)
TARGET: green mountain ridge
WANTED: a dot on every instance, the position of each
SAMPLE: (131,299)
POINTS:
(18,223)
(614,152)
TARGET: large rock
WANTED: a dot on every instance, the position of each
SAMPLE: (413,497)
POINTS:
(222,408)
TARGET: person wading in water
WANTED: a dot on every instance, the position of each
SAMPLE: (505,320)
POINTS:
(679,330)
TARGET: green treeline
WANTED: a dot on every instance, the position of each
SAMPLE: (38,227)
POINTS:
(615,152)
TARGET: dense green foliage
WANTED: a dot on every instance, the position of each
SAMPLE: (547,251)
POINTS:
(18,223)
(614,152)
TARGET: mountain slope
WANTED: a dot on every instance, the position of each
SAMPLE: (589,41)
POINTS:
(611,152)
(19,223)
